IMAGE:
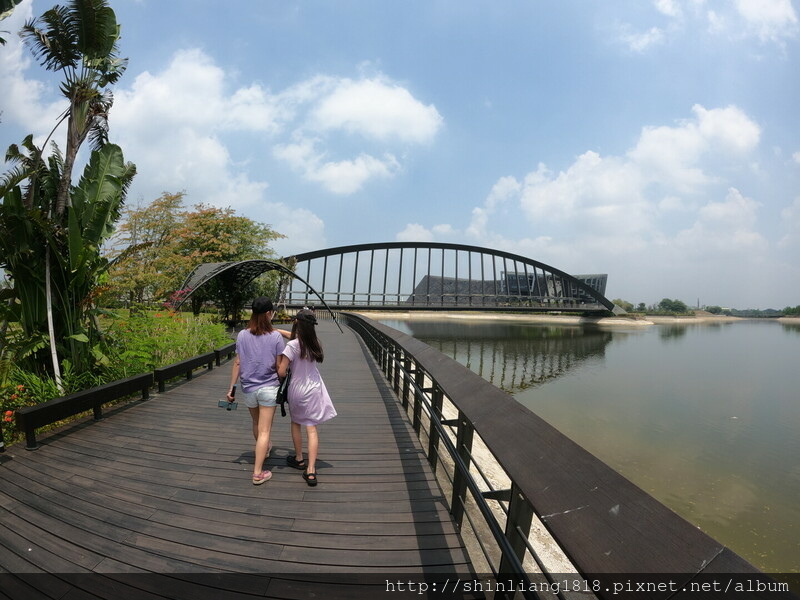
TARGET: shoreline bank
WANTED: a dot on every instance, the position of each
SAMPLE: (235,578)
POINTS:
(645,321)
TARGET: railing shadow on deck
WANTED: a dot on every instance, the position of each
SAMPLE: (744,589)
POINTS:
(505,467)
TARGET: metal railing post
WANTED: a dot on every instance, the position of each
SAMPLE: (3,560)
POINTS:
(406,375)
(437,398)
(397,355)
(464,448)
(518,527)
(419,381)
(388,366)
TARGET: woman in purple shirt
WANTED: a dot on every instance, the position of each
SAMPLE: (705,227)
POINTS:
(309,402)
(257,350)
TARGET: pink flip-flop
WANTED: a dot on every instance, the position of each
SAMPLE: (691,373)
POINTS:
(262,477)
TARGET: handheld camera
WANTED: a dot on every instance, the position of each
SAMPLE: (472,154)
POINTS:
(229,405)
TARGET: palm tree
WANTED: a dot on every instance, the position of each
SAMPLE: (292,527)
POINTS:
(80,40)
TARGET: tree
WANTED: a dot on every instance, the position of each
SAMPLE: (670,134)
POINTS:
(215,234)
(161,244)
(624,304)
(51,231)
(144,266)
(673,306)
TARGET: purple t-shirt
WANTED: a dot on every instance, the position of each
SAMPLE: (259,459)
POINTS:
(257,354)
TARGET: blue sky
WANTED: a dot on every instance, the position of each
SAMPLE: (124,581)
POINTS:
(656,141)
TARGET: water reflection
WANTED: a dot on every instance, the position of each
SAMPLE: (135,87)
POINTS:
(791,327)
(513,357)
(667,332)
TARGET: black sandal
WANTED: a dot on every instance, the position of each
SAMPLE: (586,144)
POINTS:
(311,478)
(292,461)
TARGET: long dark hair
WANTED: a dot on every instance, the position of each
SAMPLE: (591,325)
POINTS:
(260,323)
(303,330)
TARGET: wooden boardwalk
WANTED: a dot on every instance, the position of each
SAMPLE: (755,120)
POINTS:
(155,500)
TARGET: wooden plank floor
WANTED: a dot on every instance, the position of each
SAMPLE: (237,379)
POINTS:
(155,500)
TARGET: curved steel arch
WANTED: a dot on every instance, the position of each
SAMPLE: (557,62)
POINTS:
(546,287)
(242,272)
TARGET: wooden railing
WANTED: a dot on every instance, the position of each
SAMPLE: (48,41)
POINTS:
(29,418)
(183,367)
(607,527)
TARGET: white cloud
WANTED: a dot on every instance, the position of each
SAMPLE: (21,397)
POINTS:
(414,232)
(173,125)
(770,20)
(338,177)
(670,8)
(372,111)
(444,230)
(724,230)
(192,93)
(639,42)
(796,157)
(602,193)
(728,128)
(23,99)
(304,230)
(193,100)
(376,109)
(505,189)
(672,155)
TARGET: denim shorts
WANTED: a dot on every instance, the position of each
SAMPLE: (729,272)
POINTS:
(264,396)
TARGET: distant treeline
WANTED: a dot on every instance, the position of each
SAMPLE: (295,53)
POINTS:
(677,307)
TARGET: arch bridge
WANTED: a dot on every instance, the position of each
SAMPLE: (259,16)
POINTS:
(437,276)
(416,276)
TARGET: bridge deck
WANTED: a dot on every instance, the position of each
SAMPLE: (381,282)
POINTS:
(163,487)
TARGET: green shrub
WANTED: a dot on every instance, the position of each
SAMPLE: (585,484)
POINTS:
(144,340)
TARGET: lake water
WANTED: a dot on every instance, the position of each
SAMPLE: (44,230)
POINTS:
(705,417)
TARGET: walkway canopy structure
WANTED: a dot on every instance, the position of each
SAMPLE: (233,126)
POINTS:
(417,276)
(239,273)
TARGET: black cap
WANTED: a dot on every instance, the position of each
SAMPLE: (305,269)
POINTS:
(262,304)
(306,315)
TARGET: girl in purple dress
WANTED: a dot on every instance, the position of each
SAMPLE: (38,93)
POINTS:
(309,402)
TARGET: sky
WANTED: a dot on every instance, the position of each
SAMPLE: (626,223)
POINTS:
(657,141)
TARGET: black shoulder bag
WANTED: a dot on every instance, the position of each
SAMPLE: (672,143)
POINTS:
(283,392)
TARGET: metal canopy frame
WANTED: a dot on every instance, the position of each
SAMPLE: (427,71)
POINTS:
(243,272)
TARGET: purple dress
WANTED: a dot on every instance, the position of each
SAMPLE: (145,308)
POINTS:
(309,402)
